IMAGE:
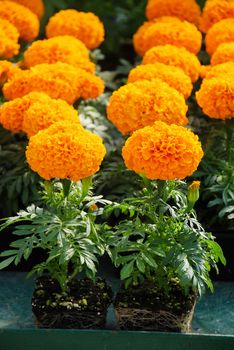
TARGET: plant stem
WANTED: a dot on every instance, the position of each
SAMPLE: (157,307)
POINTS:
(162,193)
(66,187)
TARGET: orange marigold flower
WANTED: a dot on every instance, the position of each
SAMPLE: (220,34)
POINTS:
(12,113)
(226,68)
(224,53)
(221,32)
(164,152)
(59,49)
(22,18)
(187,10)
(9,36)
(85,26)
(7,70)
(40,116)
(215,11)
(58,80)
(173,76)
(216,96)
(171,31)
(174,56)
(66,151)
(138,104)
(36,6)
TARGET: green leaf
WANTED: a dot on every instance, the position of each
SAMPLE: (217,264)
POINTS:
(6,262)
(149,260)
(127,270)
(140,265)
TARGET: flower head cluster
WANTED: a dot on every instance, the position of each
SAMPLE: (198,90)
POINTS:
(173,76)
(216,96)
(138,104)
(171,31)
(85,26)
(41,115)
(36,6)
(59,49)
(221,32)
(9,36)
(215,11)
(65,150)
(174,56)
(7,70)
(58,80)
(22,18)
(12,113)
(224,53)
(184,9)
(164,152)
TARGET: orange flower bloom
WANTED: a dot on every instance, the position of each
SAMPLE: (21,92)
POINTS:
(221,32)
(174,56)
(85,26)
(138,104)
(164,152)
(216,96)
(7,70)
(167,31)
(173,76)
(215,11)
(36,6)
(66,151)
(226,68)
(184,9)
(12,113)
(40,116)
(22,18)
(9,36)
(59,49)
(224,53)
(204,70)
(58,80)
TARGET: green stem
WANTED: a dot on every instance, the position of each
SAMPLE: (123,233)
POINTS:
(162,193)
(86,185)
(66,187)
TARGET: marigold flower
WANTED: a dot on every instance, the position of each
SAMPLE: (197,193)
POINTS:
(36,6)
(168,31)
(66,151)
(22,18)
(12,113)
(215,11)
(174,56)
(173,76)
(9,36)
(138,104)
(58,80)
(7,70)
(85,26)
(226,68)
(223,53)
(40,116)
(193,193)
(187,10)
(164,152)
(59,49)
(221,32)
(216,96)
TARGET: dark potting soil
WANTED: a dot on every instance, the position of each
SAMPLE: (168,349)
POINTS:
(146,307)
(84,307)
